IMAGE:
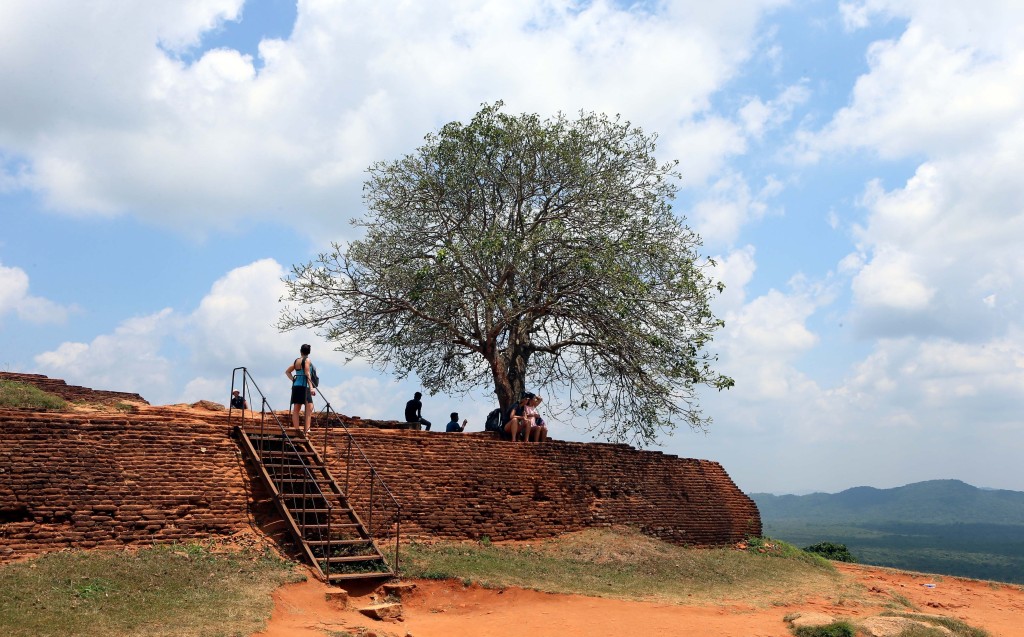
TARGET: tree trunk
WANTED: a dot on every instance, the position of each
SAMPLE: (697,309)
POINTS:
(509,379)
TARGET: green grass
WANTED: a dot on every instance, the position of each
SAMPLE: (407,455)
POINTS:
(22,395)
(169,591)
(902,600)
(957,627)
(629,565)
(835,629)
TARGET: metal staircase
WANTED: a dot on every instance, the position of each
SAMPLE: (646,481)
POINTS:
(340,528)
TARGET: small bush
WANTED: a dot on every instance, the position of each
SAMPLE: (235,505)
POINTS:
(835,629)
(24,396)
(777,548)
(921,631)
(832,551)
(955,626)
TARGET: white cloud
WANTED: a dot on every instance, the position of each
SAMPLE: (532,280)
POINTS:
(119,125)
(233,326)
(936,252)
(729,205)
(127,360)
(735,270)
(15,297)
(890,281)
(759,117)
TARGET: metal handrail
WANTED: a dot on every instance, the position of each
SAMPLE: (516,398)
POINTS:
(246,381)
(331,419)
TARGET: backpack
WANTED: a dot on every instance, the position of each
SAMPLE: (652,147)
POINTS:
(493,422)
(314,380)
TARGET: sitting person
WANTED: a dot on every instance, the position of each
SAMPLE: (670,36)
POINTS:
(237,401)
(516,426)
(453,426)
(412,411)
(537,431)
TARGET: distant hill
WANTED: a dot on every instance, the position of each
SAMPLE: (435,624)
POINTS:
(931,502)
(939,526)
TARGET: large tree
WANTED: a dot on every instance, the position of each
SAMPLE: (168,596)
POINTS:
(523,253)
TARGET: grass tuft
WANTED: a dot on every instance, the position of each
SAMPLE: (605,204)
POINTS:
(957,627)
(14,394)
(902,600)
(835,629)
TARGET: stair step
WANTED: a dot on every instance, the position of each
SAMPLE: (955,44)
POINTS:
(293,471)
(275,438)
(341,577)
(310,498)
(336,542)
(351,559)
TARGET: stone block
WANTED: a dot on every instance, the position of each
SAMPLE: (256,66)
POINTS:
(383,612)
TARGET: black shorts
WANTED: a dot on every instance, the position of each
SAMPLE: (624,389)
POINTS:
(301,395)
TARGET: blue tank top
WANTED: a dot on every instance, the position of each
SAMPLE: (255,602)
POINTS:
(300,373)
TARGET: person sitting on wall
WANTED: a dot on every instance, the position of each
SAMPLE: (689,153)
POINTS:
(538,431)
(237,401)
(453,426)
(515,426)
(413,409)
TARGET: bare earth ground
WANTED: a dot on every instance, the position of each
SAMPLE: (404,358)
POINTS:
(448,609)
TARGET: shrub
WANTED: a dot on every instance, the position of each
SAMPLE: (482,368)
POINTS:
(25,396)
(832,551)
(835,629)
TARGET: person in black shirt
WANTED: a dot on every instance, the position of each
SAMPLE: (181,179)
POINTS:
(412,411)
(237,402)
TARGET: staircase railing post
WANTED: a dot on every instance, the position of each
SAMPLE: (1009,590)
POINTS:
(373,480)
(327,554)
(348,465)
(326,426)
(398,534)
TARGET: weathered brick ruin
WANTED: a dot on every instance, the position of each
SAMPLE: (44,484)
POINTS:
(73,393)
(474,485)
(108,477)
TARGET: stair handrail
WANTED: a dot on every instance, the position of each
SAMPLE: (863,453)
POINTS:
(246,381)
(331,419)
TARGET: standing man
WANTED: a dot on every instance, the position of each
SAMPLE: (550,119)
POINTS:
(412,411)
(302,388)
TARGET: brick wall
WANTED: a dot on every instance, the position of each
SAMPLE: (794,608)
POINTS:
(111,480)
(472,485)
(74,393)
(173,474)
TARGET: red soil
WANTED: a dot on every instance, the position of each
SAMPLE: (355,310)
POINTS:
(447,609)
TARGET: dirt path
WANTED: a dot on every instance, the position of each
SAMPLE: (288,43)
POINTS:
(447,609)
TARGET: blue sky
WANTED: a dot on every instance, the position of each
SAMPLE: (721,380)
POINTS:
(853,166)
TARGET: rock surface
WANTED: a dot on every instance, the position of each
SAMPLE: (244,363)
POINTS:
(383,612)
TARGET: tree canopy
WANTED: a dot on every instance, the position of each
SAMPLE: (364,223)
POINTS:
(523,253)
